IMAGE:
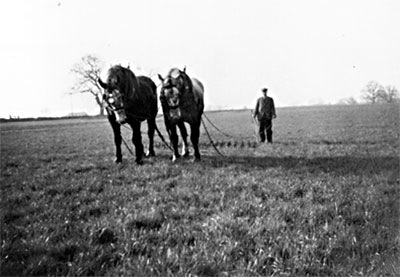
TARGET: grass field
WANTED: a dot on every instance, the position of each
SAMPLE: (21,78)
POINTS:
(322,200)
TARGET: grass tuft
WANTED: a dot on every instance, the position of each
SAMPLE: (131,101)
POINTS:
(322,200)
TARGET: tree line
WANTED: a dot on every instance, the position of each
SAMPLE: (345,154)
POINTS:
(87,72)
(374,92)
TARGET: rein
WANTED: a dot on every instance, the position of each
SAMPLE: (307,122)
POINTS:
(211,141)
(156,128)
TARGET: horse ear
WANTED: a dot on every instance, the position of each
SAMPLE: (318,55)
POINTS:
(184,69)
(160,77)
(102,84)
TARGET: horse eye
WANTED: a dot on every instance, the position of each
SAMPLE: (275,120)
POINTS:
(113,81)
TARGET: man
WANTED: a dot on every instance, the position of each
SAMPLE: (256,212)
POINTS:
(265,112)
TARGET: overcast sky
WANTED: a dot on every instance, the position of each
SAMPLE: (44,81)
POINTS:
(306,52)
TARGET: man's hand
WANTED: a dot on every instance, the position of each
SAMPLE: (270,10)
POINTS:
(255,119)
(274,116)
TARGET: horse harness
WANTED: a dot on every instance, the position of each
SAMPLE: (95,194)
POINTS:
(174,82)
(109,99)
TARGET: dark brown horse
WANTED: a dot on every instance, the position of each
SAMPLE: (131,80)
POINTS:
(182,100)
(131,100)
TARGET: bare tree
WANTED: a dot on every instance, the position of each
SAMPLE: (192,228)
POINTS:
(348,101)
(88,72)
(372,91)
(389,95)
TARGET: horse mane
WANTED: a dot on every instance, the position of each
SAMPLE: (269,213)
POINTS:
(127,81)
(187,81)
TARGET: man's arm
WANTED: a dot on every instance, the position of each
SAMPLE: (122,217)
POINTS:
(273,109)
(256,110)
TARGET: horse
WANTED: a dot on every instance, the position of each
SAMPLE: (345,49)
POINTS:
(130,99)
(182,100)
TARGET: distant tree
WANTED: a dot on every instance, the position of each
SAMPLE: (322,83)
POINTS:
(389,95)
(372,91)
(348,101)
(87,72)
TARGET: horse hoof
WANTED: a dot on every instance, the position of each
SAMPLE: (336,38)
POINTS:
(150,154)
(139,162)
(174,158)
(118,160)
(186,154)
(196,159)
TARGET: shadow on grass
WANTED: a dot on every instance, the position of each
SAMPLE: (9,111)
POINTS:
(339,165)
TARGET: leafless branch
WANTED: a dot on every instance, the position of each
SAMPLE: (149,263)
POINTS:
(87,73)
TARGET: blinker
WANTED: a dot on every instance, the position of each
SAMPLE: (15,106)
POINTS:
(175,74)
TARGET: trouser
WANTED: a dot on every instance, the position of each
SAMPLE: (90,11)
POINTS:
(265,127)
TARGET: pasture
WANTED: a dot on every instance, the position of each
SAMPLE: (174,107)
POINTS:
(322,200)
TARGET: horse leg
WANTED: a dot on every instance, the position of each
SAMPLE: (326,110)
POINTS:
(185,149)
(194,137)
(137,141)
(174,141)
(117,137)
(151,123)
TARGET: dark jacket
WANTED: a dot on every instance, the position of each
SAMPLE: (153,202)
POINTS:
(265,108)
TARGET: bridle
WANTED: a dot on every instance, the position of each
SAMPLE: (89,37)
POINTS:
(171,84)
(178,83)
(109,104)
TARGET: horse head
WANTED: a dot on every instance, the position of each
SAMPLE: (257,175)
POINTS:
(117,91)
(174,85)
